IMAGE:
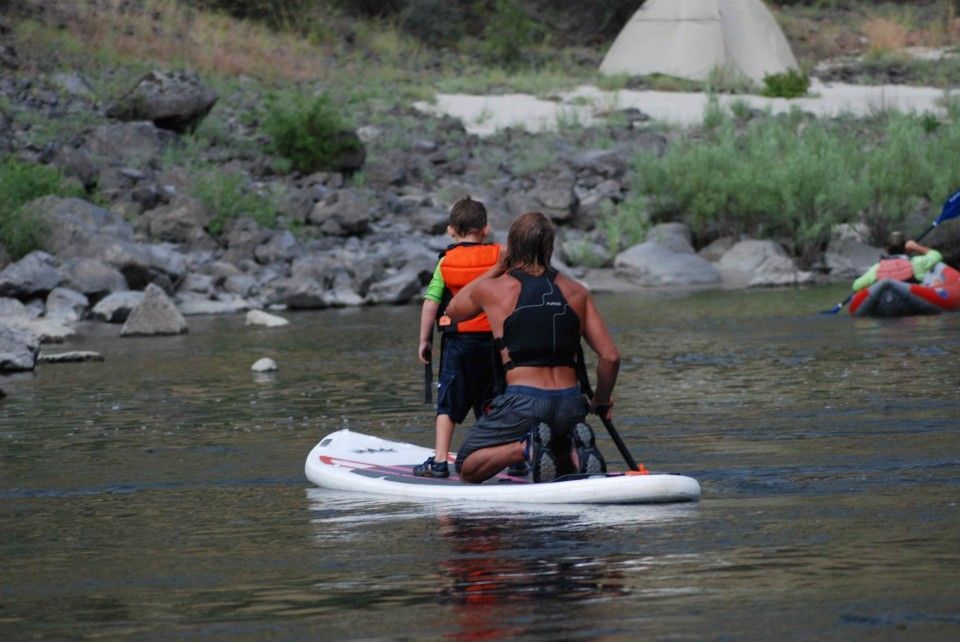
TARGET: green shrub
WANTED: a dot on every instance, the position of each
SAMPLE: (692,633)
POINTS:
(310,132)
(226,197)
(508,33)
(20,229)
(788,177)
(791,84)
(434,22)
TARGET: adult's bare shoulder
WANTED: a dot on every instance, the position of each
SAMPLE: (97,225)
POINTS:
(572,291)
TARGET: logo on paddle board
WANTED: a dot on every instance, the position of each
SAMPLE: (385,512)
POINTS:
(375,450)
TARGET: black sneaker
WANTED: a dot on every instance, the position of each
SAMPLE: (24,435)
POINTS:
(519,470)
(543,462)
(431,468)
(591,461)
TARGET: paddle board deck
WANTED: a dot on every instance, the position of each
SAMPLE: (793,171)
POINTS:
(352,461)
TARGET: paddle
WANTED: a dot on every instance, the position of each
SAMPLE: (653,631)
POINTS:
(601,411)
(951,210)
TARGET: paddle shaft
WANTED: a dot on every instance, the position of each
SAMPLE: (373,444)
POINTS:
(601,411)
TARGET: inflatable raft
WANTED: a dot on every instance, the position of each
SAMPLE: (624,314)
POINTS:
(889,298)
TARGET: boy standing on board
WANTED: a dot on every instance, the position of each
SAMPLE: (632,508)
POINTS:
(466,348)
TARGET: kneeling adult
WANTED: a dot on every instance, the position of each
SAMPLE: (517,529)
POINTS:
(538,318)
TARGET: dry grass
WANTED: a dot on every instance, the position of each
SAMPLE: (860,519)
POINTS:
(885,34)
(162,31)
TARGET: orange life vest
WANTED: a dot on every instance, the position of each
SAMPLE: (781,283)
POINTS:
(896,268)
(461,264)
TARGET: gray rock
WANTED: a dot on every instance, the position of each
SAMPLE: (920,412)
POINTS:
(342,213)
(79,229)
(264,365)
(91,277)
(715,250)
(73,84)
(602,162)
(32,275)
(44,330)
(155,315)
(650,264)
(282,246)
(135,144)
(166,259)
(673,236)
(760,263)
(265,319)
(116,307)
(553,196)
(182,221)
(243,239)
(241,284)
(297,293)
(195,282)
(172,100)
(10,307)
(66,304)
(397,288)
(76,356)
(18,349)
(342,297)
(848,255)
(197,306)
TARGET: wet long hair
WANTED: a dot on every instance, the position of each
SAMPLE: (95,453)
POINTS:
(530,241)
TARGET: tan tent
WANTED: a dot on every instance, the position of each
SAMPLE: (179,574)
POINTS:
(689,38)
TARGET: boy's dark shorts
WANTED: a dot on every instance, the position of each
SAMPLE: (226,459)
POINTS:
(517,410)
(466,375)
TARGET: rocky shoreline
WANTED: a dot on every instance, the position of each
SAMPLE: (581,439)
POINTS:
(143,249)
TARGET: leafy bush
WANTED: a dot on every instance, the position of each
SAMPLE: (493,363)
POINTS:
(791,84)
(20,230)
(788,177)
(226,197)
(508,33)
(310,132)
(435,22)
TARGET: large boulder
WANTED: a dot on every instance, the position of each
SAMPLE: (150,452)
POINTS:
(174,100)
(281,246)
(155,315)
(66,304)
(673,236)
(18,349)
(33,275)
(652,265)
(397,288)
(297,293)
(847,254)
(91,277)
(760,263)
(554,196)
(79,229)
(116,307)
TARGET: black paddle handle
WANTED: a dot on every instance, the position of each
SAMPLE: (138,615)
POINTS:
(428,382)
(601,411)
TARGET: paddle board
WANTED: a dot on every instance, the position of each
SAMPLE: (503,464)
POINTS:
(352,461)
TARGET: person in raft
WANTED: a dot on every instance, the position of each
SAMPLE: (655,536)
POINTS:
(538,318)
(897,265)
(466,348)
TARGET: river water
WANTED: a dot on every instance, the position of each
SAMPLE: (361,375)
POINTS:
(160,494)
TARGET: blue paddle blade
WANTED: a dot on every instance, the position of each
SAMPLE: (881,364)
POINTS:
(951,208)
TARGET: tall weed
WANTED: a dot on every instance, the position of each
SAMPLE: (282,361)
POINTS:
(307,131)
(20,230)
(792,178)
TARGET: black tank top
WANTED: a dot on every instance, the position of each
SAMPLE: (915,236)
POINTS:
(543,330)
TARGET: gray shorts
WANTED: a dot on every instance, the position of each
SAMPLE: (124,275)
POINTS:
(515,412)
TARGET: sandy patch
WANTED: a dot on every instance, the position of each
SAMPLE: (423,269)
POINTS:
(485,115)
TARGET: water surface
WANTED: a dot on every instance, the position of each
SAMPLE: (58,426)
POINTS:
(160,494)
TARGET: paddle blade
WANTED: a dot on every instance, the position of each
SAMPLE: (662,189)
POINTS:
(838,306)
(951,209)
